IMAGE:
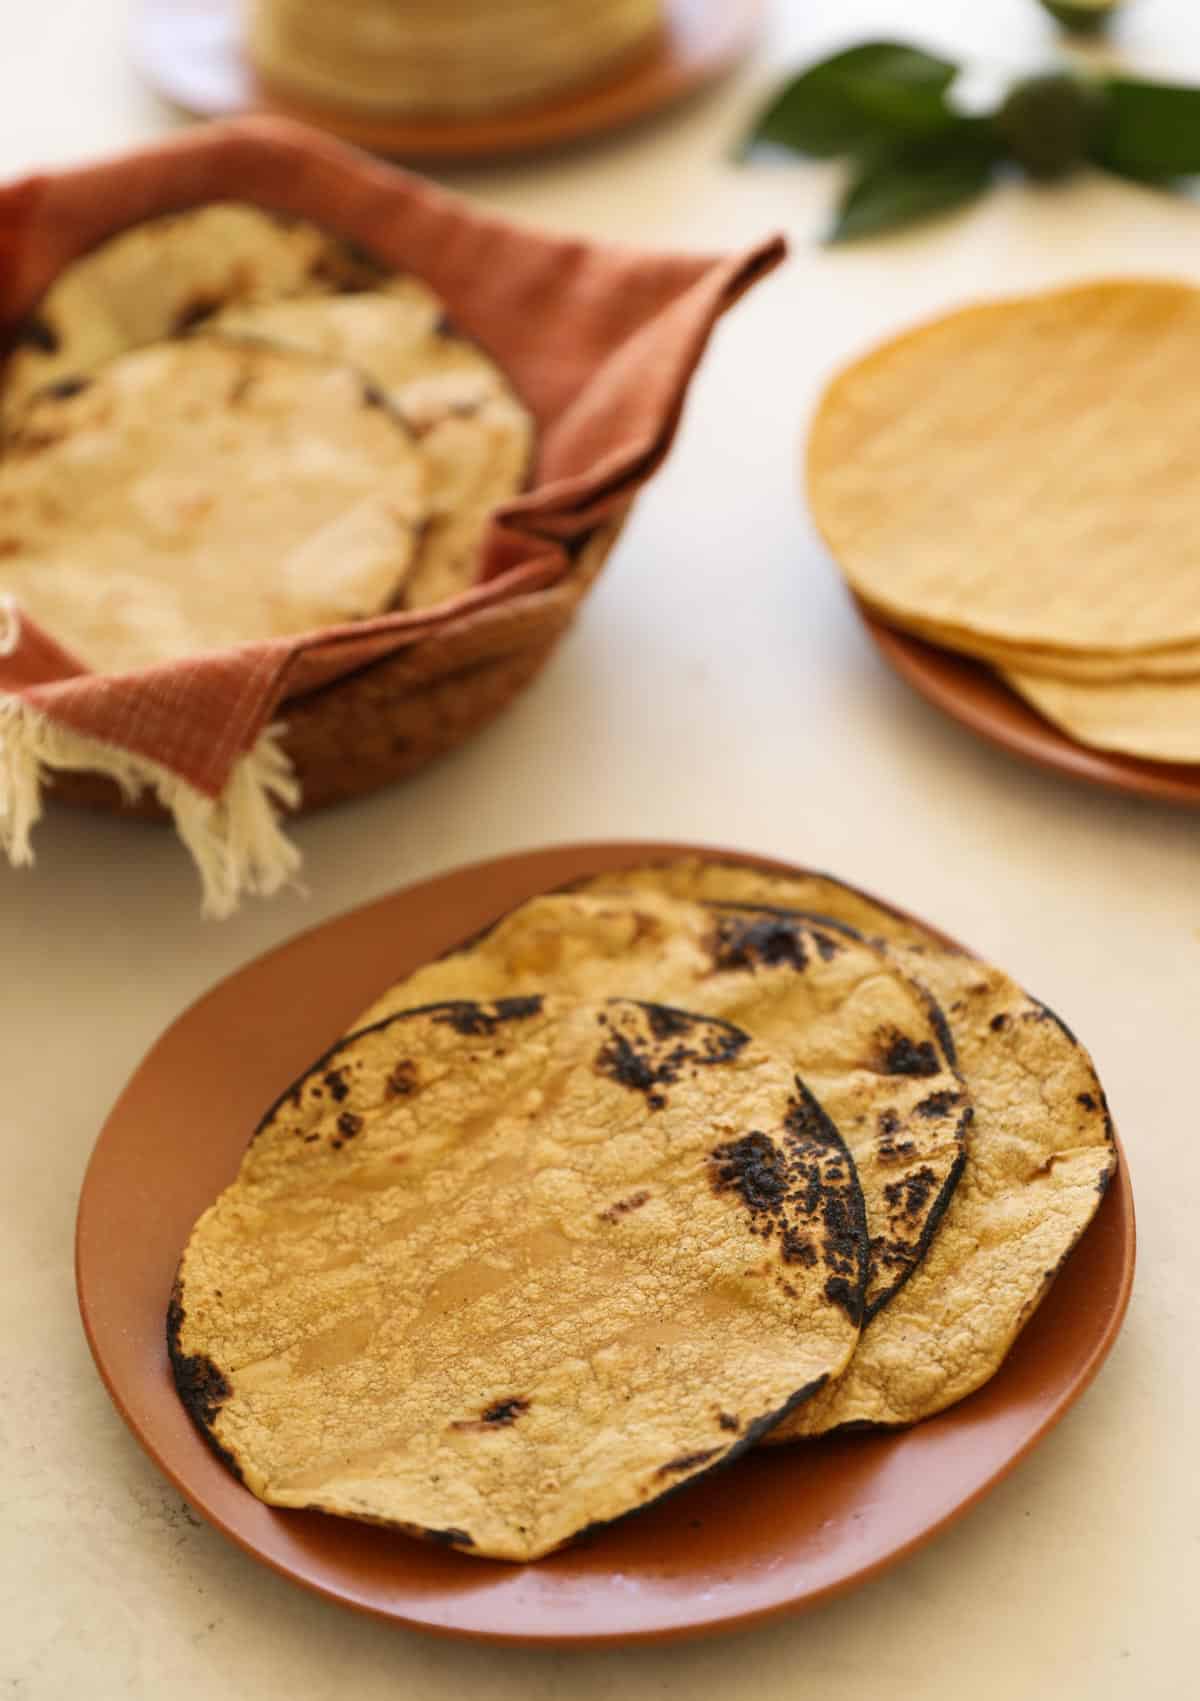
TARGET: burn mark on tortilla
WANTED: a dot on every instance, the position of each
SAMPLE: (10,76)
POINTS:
(687,1462)
(194,311)
(373,396)
(1086,1100)
(622,1207)
(35,332)
(900,1055)
(937,1104)
(800,1184)
(349,1125)
(403,1080)
(999,1022)
(501,1414)
(473,1020)
(450,1537)
(336,1081)
(742,942)
(634,1062)
(728,1422)
(64,388)
(201,1385)
(910,1194)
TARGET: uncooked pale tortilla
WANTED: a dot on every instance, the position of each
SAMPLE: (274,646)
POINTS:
(193,495)
(1040,1155)
(496,1274)
(867,1041)
(475,435)
(1157,719)
(165,275)
(1025,470)
(442,57)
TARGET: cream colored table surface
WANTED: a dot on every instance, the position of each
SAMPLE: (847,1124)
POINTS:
(719,689)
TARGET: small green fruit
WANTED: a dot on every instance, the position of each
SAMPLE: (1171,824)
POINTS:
(1047,122)
(1082,17)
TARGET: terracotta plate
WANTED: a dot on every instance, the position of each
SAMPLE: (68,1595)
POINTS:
(971,693)
(778,1531)
(190,51)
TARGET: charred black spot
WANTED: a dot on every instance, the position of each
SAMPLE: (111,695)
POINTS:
(728,1422)
(911,1193)
(889,1122)
(846,1295)
(687,1462)
(194,312)
(942,1029)
(755,1168)
(473,1020)
(622,1207)
(827,946)
(666,1023)
(403,1080)
(35,332)
(505,1412)
(903,1056)
(795,1248)
(450,1537)
(1000,1022)
(937,1104)
(349,1125)
(1086,1100)
(337,1084)
(742,943)
(202,1387)
(65,388)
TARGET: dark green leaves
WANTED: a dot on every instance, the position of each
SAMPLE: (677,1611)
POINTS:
(1082,17)
(1149,130)
(879,92)
(886,108)
(901,185)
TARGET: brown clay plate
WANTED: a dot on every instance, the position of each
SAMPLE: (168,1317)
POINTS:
(778,1531)
(978,698)
(190,51)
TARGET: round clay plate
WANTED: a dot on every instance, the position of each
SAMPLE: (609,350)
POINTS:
(190,51)
(972,694)
(781,1529)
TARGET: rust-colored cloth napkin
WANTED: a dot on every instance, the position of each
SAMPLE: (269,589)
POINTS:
(600,342)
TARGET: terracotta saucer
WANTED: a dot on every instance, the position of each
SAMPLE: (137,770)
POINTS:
(972,694)
(190,52)
(779,1531)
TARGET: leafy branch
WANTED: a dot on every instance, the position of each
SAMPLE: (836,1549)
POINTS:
(887,107)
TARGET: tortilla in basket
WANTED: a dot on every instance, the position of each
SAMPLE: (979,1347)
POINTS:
(496,1274)
(869,1043)
(193,495)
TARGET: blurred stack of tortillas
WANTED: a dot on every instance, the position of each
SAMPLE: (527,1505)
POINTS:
(1016,481)
(223,426)
(443,57)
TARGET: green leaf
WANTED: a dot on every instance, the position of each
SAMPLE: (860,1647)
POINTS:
(901,186)
(1082,17)
(857,99)
(1149,130)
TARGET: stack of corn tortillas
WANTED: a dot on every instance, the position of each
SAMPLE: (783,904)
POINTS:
(1015,482)
(674,1161)
(443,58)
(221,426)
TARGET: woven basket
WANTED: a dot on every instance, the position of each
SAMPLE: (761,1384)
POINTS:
(388,720)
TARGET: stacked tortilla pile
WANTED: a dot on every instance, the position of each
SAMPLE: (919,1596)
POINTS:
(223,426)
(443,58)
(1016,482)
(677,1160)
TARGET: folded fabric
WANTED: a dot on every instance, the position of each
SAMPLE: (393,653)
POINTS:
(600,342)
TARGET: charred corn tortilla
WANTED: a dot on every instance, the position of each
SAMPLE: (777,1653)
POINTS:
(190,496)
(1040,1154)
(498,1273)
(475,436)
(1155,719)
(165,275)
(1023,470)
(865,1038)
